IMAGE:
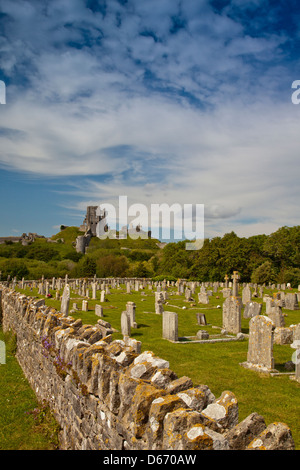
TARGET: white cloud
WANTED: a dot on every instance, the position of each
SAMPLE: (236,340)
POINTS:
(162,117)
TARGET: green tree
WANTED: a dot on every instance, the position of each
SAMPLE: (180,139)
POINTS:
(14,268)
(264,273)
(86,267)
(112,266)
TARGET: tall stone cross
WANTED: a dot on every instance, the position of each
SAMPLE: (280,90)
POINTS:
(235,288)
(226,280)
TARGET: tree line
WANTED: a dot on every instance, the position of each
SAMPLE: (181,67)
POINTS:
(271,258)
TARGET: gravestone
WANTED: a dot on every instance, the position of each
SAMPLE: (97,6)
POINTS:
(99,310)
(252,309)
(102,296)
(159,309)
(130,308)
(125,324)
(246,295)
(232,315)
(201,319)
(203,298)
(235,285)
(227,292)
(188,294)
(291,301)
(2,352)
(276,316)
(85,305)
(65,301)
(260,347)
(170,326)
(94,290)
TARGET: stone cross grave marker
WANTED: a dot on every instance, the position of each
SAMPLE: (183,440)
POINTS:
(235,286)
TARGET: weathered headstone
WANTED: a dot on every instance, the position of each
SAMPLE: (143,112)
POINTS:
(102,296)
(235,285)
(159,308)
(232,315)
(94,290)
(291,301)
(260,347)
(125,324)
(201,319)
(99,310)
(65,301)
(130,308)
(252,309)
(2,352)
(276,316)
(203,298)
(170,326)
(85,305)
(246,295)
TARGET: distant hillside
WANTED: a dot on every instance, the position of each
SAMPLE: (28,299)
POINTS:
(271,258)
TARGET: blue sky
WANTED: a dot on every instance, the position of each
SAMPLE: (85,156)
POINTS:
(164,101)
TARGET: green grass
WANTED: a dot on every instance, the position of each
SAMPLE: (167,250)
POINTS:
(25,424)
(215,365)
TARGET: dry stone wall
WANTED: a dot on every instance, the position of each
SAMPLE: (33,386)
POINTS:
(108,395)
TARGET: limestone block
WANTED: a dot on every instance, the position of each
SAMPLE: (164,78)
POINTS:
(240,436)
(277,436)
(158,410)
(195,398)
(183,383)
(142,399)
(222,414)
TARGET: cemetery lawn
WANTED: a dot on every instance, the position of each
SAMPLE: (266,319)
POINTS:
(215,365)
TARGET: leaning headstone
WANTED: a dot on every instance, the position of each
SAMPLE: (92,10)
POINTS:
(260,347)
(232,315)
(252,309)
(170,326)
(65,301)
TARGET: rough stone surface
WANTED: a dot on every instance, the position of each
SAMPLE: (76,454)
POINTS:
(107,395)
